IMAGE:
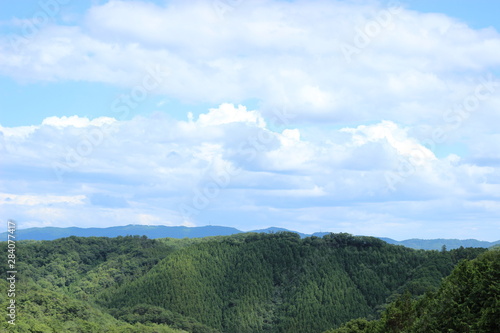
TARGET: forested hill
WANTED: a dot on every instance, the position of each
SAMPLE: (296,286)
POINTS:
(467,301)
(240,283)
(158,231)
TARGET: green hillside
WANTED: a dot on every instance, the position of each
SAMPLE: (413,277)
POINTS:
(467,301)
(241,283)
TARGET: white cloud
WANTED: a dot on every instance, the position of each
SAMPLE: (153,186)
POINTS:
(213,169)
(227,113)
(410,72)
(76,121)
(21,131)
(395,136)
(33,200)
(290,136)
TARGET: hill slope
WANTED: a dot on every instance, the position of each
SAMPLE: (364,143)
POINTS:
(467,301)
(240,283)
(281,283)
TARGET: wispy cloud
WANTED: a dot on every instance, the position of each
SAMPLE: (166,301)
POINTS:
(417,65)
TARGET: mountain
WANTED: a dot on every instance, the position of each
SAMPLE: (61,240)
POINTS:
(437,244)
(273,230)
(51,233)
(244,283)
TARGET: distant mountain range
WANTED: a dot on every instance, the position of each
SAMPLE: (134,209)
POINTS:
(51,233)
(437,244)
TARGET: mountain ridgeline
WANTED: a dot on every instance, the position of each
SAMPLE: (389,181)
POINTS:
(161,231)
(241,283)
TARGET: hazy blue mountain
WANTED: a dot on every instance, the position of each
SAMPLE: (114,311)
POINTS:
(51,233)
(437,244)
(320,234)
(272,230)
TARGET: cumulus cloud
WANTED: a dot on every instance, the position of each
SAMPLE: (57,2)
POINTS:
(156,170)
(397,138)
(227,113)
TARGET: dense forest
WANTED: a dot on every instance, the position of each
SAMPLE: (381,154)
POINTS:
(246,283)
(467,301)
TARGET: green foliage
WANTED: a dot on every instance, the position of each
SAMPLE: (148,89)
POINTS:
(145,313)
(359,325)
(281,283)
(241,283)
(57,281)
(50,311)
(468,300)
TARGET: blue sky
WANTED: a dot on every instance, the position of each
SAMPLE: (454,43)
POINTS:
(366,117)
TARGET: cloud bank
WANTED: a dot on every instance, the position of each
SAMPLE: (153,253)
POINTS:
(228,167)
